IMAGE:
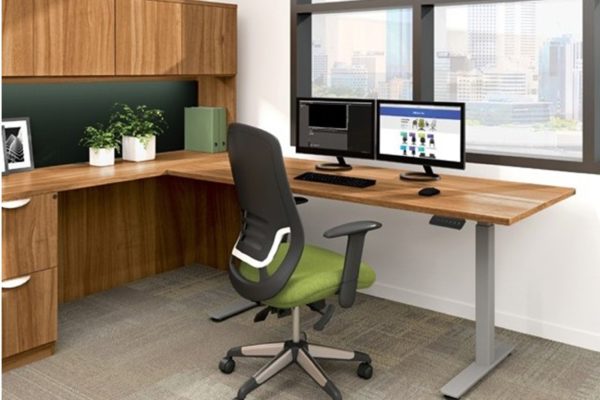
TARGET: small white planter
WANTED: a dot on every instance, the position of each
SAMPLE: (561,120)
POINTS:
(134,150)
(102,157)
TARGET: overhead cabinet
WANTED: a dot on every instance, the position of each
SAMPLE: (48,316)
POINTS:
(74,37)
(161,37)
(148,37)
(209,40)
(58,37)
(17,37)
(70,38)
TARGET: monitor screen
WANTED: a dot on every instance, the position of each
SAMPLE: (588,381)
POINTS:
(421,133)
(328,115)
(337,127)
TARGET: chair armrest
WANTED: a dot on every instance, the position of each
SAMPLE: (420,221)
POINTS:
(356,232)
(352,228)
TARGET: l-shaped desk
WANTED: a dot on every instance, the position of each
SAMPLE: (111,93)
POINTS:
(73,230)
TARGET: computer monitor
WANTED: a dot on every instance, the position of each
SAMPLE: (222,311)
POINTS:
(336,127)
(425,133)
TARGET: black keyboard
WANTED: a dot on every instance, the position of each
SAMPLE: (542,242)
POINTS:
(336,180)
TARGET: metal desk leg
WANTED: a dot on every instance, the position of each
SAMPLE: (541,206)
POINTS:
(488,354)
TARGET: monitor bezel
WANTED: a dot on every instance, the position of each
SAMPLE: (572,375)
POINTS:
(337,153)
(423,161)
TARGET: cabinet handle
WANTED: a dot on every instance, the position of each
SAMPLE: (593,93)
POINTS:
(11,205)
(15,283)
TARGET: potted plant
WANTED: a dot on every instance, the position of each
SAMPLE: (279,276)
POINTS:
(138,128)
(102,143)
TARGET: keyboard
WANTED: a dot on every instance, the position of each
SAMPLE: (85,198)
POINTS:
(336,180)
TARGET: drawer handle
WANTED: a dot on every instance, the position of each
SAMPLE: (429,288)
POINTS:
(11,205)
(15,283)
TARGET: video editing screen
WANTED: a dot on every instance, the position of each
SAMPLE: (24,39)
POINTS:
(336,127)
(420,131)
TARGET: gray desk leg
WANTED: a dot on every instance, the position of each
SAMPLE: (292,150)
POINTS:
(488,354)
(232,309)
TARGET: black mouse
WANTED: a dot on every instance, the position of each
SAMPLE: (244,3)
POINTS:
(429,191)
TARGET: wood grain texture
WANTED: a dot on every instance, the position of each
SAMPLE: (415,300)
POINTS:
(74,37)
(17,37)
(29,313)
(27,357)
(483,200)
(216,91)
(209,40)
(114,234)
(82,175)
(218,222)
(200,2)
(148,36)
(29,237)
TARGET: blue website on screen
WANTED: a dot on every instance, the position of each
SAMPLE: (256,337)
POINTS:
(420,131)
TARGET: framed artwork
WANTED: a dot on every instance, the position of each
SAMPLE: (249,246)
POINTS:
(18,153)
(2,155)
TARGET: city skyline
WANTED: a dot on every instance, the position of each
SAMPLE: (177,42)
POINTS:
(485,54)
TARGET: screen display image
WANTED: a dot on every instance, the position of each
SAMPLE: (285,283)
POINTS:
(337,127)
(421,131)
(332,116)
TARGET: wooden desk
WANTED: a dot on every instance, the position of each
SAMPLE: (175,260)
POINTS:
(481,200)
(118,224)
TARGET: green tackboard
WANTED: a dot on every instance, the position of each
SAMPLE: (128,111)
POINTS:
(60,111)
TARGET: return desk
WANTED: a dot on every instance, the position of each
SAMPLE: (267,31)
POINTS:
(73,230)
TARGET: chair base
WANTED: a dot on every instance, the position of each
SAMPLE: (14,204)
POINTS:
(298,352)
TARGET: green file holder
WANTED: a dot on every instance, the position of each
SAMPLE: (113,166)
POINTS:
(206,129)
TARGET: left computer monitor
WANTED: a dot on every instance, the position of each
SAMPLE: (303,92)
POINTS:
(336,127)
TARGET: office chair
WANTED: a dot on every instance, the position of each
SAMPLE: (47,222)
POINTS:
(286,275)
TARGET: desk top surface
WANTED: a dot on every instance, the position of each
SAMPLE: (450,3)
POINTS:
(482,200)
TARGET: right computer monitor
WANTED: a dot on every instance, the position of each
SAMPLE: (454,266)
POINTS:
(431,134)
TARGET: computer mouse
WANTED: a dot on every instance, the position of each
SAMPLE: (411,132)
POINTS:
(429,191)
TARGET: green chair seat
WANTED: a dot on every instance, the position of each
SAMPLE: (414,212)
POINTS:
(317,276)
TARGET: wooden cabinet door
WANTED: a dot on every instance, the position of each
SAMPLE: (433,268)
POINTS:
(29,313)
(74,37)
(209,40)
(29,236)
(148,37)
(17,37)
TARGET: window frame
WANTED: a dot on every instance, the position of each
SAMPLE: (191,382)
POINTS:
(423,71)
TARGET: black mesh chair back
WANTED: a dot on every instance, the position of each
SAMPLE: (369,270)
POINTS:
(268,212)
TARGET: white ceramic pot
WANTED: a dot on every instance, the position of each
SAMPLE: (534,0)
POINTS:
(134,150)
(102,157)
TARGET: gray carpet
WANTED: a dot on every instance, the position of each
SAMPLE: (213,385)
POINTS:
(152,340)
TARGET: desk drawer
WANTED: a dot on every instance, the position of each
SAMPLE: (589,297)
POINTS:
(29,312)
(29,235)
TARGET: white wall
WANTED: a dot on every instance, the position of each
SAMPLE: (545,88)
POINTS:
(548,266)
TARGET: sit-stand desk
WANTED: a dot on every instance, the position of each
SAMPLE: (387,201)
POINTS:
(205,223)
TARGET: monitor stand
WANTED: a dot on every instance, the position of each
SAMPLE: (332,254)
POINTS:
(339,166)
(428,175)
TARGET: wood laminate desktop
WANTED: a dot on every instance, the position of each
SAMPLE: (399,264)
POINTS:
(482,200)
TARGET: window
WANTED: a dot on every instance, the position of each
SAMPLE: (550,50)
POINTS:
(528,70)
(362,54)
(519,68)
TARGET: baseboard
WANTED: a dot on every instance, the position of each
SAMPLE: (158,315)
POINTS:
(547,330)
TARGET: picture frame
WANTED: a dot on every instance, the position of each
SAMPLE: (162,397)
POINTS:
(3,166)
(17,145)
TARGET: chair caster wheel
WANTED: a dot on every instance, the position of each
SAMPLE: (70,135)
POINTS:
(227,365)
(365,370)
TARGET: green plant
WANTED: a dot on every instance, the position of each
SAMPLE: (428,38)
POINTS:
(140,122)
(98,137)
